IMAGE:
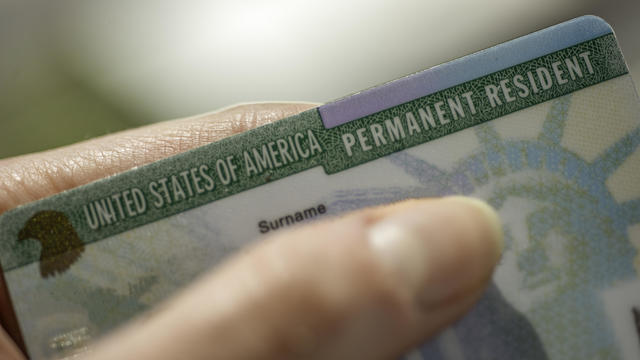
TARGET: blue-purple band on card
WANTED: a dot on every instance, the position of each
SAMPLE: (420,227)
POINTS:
(458,71)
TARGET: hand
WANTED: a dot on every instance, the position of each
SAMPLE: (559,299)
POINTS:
(368,285)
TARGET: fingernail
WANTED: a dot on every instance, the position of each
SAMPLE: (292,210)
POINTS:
(439,248)
(490,215)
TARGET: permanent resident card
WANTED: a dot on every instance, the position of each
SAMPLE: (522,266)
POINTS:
(545,128)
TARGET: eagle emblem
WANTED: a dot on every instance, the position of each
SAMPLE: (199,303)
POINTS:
(60,244)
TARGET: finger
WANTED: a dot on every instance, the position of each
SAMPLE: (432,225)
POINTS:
(367,286)
(8,349)
(30,177)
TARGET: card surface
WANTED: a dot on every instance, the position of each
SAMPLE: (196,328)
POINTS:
(545,128)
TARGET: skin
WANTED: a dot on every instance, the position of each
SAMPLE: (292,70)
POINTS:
(338,289)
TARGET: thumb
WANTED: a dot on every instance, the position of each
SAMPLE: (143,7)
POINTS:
(367,286)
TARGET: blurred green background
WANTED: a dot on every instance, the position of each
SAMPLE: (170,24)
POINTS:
(72,70)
